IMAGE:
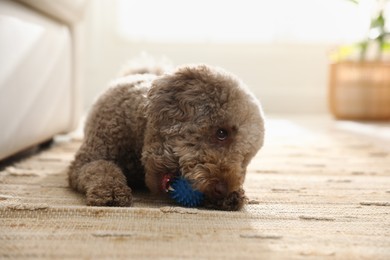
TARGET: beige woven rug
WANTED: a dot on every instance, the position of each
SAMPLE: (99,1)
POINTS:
(318,189)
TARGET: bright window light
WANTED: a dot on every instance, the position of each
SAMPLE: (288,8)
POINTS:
(298,21)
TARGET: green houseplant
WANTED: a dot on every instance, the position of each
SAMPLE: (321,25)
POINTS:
(359,82)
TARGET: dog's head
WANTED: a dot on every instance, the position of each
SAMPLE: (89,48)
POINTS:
(203,124)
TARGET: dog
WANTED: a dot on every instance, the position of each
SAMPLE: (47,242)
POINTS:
(197,121)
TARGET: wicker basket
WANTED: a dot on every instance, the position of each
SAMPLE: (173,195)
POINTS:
(360,90)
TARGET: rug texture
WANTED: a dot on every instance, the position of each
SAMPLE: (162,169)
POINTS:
(316,190)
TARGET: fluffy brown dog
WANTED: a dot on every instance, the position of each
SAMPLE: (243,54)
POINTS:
(199,122)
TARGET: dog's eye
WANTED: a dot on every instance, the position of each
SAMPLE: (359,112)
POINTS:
(222,134)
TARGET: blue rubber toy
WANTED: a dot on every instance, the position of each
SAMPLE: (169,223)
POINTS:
(180,190)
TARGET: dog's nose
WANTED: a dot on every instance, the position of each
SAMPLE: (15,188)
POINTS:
(220,190)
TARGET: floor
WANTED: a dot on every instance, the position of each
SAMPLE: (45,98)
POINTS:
(319,189)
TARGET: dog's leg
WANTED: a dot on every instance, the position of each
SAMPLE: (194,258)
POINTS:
(103,183)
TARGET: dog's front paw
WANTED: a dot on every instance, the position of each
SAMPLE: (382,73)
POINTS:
(113,194)
(233,202)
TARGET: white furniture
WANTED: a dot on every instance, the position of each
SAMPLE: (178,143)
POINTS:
(39,71)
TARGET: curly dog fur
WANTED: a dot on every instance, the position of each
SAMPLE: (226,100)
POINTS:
(197,121)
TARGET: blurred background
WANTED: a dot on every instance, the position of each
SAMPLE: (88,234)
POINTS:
(57,56)
(280,48)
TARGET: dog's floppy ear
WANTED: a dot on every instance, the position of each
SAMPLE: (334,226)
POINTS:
(177,97)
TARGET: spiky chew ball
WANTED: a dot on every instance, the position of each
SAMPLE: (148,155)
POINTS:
(181,191)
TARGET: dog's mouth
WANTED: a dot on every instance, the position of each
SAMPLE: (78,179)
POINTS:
(165,181)
(231,202)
